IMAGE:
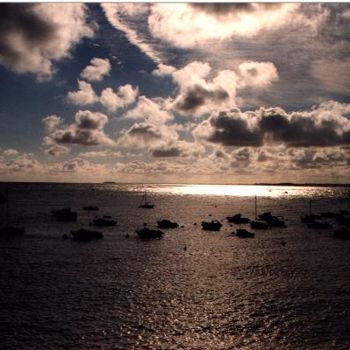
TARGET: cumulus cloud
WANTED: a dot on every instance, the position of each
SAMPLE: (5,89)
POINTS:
(11,152)
(149,110)
(57,150)
(96,70)
(87,130)
(324,126)
(121,98)
(85,95)
(33,36)
(147,134)
(256,74)
(188,25)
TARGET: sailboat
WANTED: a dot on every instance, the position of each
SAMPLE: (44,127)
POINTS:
(145,204)
(257,225)
(8,230)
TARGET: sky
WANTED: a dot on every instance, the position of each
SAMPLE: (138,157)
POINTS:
(175,93)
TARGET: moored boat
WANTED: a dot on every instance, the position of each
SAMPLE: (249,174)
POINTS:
(213,225)
(148,233)
(86,235)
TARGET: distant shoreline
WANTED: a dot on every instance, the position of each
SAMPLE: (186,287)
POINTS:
(284,184)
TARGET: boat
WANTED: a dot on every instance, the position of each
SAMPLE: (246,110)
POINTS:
(213,225)
(12,231)
(265,216)
(306,219)
(104,222)
(238,219)
(86,235)
(342,233)
(148,233)
(344,220)
(167,224)
(317,225)
(242,233)
(144,203)
(258,225)
(65,214)
(275,221)
(9,230)
(90,208)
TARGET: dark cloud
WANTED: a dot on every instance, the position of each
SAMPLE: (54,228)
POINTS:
(316,128)
(233,130)
(196,96)
(303,131)
(31,38)
(166,152)
(87,131)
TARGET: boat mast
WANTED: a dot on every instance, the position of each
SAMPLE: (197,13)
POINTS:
(310,207)
(7,207)
(256,207)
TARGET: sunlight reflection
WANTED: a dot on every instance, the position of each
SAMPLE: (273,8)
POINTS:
(233,190)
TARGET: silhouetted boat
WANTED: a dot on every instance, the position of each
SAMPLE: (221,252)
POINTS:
(167,224)
(148,233)
(329,215)
(9,230)
(104,222)
(242,233)
(342,233)
(265,216)
(316,225)
(258,225)
(275,221)
(90,208)
(12,231)
(65,214)
(344,220)
(306,219)
(213,225)
(238,219)
(86,235)
(145,204)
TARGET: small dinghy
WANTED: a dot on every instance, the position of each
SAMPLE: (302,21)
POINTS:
(238,219)
(258,225)
(242,233)
(148,233)
(104,222)
(65,214)
(85,235)
(213,225)
(167,224)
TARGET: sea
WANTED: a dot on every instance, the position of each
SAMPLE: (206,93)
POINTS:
(287,288)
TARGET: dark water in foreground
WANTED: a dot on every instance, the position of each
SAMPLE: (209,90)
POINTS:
(221,293)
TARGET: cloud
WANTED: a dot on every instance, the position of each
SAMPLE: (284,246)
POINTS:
(118,16)
(199,94)
(256,74)
(100,154)
(123,97)
(57,150)
(147,134)
(85,95)
(87,130)
(52,122)
(325,126)
(10,152)
(189,25)
(34,36)
(149,110)
(333,75)
(97,69)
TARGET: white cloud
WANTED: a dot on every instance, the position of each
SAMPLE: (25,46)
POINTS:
(256,74)
(96,70)
(85,95)
(123,97)
(34,36)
